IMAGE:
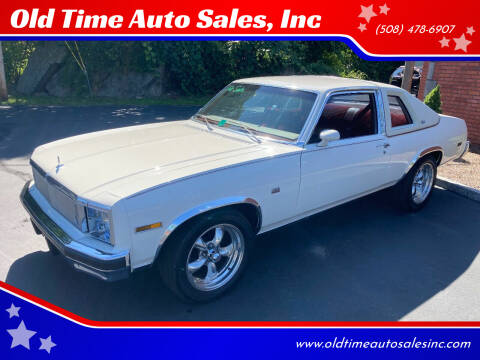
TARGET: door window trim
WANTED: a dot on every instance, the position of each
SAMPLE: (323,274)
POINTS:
(346,142)
(380,112)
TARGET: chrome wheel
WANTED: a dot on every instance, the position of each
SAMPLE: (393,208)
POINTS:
(215,257)
(422,183)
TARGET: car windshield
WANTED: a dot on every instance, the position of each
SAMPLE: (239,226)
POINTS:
(265,110)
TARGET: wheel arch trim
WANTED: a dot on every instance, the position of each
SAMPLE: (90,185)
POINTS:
(421,154)
(205,207)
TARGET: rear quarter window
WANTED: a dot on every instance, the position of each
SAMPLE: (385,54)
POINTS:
(399,114)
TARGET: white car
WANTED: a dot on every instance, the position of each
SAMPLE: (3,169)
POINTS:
(189,196)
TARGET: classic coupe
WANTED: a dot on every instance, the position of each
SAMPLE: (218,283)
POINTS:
(188,197)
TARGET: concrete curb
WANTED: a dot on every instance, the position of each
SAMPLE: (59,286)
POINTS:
(460,189)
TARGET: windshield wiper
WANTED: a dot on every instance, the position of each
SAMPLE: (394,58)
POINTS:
(240,124)
(247,129)
(205,119)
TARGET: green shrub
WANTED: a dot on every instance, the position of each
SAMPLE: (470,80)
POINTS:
(433,100)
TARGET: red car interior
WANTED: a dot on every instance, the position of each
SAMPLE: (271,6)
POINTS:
(398,116)
(349,119)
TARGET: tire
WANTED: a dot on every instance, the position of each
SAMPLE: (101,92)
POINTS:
(206,256)
(423,172)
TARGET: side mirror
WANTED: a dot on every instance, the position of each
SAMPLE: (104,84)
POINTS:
(328,135)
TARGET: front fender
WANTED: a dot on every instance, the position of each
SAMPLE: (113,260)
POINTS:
(208,206)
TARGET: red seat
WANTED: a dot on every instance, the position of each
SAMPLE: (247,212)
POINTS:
(398,117)
(336,116)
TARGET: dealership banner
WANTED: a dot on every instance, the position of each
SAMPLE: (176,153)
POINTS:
(31,328)
(375,29)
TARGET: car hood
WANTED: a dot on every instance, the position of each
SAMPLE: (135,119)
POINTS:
(122,162)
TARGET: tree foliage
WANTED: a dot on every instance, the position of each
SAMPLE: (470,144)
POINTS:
(15,58)
(203,67)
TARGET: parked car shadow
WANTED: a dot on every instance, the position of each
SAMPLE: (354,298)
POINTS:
(358,262)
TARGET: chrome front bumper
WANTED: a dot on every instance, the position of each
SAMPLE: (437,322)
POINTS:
(108,267)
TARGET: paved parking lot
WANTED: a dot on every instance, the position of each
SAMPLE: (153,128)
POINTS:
(361,261)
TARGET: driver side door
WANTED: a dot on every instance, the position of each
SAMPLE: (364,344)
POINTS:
(354,165)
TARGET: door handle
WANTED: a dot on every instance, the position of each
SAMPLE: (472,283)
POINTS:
(384,145)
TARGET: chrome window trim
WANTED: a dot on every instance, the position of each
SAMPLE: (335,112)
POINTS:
(214,97)
(345,142)
(311,121)
(302,138)
(416,125)
(298,141)
(316,110)
(381,126)
(404,127)
(409,130)
(405,110)
(230,130)
(381,115)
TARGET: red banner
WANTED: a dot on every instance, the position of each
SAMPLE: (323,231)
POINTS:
(380,28)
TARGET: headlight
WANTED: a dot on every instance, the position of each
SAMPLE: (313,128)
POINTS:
(98,224)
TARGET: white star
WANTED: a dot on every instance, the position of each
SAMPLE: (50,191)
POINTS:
(444,42)
(21,336)
(384,9)
(13,311)
(470,30)
(461,43)
(362,27)
(47,344)
(367,12)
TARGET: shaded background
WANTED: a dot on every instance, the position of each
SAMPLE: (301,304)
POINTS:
(156,68)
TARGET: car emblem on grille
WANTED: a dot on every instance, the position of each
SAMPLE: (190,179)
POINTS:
(59,165)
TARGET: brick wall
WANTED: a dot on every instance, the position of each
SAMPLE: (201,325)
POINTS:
(460,91)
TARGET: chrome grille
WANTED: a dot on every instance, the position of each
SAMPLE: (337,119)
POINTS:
(40,182)
(58,197)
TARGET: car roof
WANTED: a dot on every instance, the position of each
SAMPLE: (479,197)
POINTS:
(317,83)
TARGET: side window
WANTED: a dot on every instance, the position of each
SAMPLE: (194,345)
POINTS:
(398,112)
(352,115)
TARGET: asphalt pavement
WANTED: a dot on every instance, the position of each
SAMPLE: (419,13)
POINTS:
(362,261)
